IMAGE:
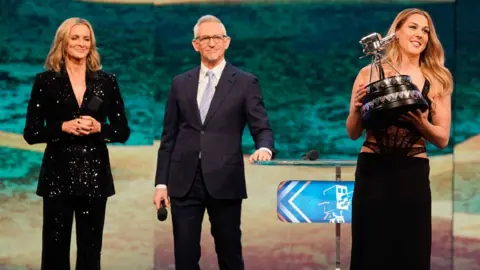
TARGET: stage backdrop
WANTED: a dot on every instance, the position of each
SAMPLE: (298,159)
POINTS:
(306,56)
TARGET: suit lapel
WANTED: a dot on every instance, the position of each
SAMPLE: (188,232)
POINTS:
(192,90)
(224,86)
(67,91)
(69,94)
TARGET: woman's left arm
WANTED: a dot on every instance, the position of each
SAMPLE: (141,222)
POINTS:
(117,130)
(437,132)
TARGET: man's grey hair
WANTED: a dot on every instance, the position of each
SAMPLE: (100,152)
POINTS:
(207,18)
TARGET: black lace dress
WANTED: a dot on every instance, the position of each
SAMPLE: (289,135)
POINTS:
(391,208)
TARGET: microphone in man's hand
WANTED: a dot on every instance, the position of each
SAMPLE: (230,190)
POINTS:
(311,155)
(162,212)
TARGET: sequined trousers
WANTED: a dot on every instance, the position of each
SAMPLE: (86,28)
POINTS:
(58,215)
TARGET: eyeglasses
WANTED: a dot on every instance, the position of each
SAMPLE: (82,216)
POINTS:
(206,39)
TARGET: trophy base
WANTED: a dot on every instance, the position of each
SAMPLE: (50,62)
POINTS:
(390,98)
(391,116)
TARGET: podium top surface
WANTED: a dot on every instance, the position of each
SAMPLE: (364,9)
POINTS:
(313,163)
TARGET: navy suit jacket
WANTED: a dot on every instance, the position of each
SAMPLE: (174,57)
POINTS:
(237,102)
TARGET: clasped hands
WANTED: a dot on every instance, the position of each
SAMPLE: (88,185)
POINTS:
(85,125)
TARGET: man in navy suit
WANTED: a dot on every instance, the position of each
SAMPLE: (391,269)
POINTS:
(200,161)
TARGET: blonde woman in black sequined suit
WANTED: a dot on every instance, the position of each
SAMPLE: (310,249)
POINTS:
(391,207)
(68,110)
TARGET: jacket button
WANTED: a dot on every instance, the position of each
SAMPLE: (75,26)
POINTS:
(202,132)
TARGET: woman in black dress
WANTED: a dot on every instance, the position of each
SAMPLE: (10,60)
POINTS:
(68,110)
(391,211)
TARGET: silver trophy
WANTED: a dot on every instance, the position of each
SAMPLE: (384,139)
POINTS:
(387,99)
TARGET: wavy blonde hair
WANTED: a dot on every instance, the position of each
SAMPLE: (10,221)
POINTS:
(432,59)
(58,51)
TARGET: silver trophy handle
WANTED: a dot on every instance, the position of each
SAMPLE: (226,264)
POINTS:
(374,45)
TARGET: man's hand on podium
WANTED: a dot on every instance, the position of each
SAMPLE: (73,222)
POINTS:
(262,154)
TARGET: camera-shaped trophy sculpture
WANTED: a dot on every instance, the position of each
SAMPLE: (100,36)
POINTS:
(387,99)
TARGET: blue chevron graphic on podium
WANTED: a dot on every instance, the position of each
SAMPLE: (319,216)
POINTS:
(315,201)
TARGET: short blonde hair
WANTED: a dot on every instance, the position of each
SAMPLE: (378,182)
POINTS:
(57,53)
(204,19)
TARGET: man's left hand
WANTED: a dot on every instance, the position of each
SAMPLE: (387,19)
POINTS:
(259,155)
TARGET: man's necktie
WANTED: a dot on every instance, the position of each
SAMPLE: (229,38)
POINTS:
(207,96)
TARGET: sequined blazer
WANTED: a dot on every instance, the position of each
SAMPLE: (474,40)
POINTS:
(75,165)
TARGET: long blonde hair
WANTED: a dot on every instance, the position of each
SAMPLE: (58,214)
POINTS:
(432,59)
(58,53)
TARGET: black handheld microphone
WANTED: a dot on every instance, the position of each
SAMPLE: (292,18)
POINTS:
(162,212)
(93,105)
(311,155)
(91,109)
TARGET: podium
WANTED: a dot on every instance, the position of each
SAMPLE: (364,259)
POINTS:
(302,201)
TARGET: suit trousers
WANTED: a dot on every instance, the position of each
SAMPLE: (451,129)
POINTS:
(57,229)
(225,219)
